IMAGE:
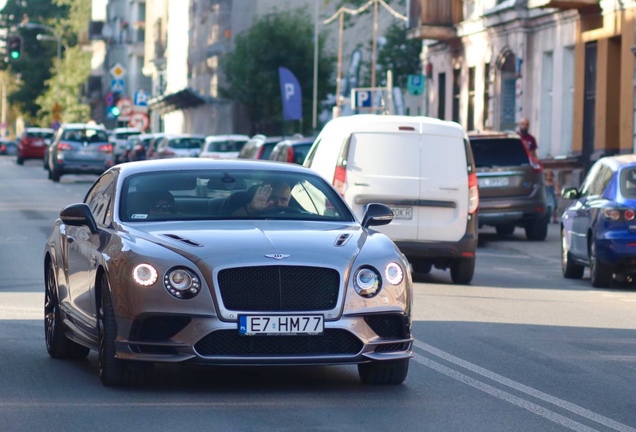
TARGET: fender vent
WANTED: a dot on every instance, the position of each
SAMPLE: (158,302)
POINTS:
(182,239)
(342,239)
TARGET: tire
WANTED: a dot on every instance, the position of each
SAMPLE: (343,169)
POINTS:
(57,344)
(571,270)
(113,372)
(421,266)
(19,160)
(462,271)
(55,174)
(505,230)
(600,273)
(538,229)
(384,372)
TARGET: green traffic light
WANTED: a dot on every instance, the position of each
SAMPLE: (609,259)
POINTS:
(15,55)
(115,111)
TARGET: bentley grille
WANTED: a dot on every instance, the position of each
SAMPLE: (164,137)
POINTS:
(279,288)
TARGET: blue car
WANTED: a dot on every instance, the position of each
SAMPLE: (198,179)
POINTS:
(599,229)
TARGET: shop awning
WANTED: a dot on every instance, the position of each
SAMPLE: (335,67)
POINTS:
(183,99)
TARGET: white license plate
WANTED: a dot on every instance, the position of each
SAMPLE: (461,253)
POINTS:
(487,182)
(250,325)
(402,212)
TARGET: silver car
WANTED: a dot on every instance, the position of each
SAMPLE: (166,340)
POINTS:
(179,146)
(79,148)
(225,263)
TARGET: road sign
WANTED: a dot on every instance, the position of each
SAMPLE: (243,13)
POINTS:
(361,99)
(110,98)
(140,101)
(117,71)
(415,84)
(125,108)
(117,85)
(139,120)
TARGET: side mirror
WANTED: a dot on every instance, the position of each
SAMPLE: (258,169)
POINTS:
(570,193)
(79,215)
(377,214)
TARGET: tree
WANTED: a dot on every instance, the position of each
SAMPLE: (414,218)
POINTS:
(399,54)
(280,39)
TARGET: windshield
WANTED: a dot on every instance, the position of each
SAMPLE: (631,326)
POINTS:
(126,135)
(225,146)
(186,143)
(40,134)
(84,135)
(229,194)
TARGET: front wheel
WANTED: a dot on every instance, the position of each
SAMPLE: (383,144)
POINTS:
(113,372)
(462,270)
(384,372)
(570,269)
(57,344)
(537,230)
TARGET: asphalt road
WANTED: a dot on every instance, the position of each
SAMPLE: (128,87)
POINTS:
(520,349)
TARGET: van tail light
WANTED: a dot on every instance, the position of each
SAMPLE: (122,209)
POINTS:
(64,147)
(106,148)
(473,193)
(290,155)
(614,214)
(340,179)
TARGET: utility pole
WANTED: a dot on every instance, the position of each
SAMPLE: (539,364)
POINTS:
(314,119)
(374,42)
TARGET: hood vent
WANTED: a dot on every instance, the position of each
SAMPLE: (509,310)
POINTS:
(342,239)
(183,240)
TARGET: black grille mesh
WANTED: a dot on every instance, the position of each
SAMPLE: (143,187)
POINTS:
(230,343)
(387,326)
(279,288)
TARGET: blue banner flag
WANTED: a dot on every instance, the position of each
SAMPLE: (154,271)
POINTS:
(290,92)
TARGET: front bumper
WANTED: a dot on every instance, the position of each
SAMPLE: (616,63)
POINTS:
(208,340)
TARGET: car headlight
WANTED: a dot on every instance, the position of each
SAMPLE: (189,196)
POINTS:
(367,282)
(182,283)
(394,273)
(145,274)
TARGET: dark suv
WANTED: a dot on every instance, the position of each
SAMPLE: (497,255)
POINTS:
(511,187)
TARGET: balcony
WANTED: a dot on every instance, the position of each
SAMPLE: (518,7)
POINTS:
(562,4)
(434,19)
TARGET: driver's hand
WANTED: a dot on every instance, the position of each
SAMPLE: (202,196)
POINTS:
(260,201)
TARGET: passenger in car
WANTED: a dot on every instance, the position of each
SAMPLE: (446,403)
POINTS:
(258,200)
(161,204)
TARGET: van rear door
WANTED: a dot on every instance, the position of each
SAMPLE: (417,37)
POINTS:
(422,177)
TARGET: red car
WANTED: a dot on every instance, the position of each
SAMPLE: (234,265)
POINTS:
(33,143)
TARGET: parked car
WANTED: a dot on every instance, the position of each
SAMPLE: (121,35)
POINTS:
(179,146)
(79,148)
(420,167)
(259,147)
(8,147)
(598,230)
(152,146)
(291,150)
(158,273)
(138,145)
(119,139)
(511,185)
(223,146)
(32,143)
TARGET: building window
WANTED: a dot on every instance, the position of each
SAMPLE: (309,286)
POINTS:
(486,95)
(457,93)
(470,125)
(441,96)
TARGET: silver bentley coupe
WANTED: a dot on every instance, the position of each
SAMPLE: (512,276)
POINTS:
(225,263)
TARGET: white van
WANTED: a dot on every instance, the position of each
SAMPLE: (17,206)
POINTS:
(422,168)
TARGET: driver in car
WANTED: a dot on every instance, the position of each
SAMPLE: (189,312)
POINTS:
(267,197)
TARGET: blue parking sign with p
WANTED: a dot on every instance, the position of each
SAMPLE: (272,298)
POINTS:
(363,99)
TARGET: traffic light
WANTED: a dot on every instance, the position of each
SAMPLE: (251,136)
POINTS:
(14,46)
(113,110)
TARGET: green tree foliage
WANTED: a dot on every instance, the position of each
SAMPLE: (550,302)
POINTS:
(281,39)
(74,68)
(34,67)
(399,54)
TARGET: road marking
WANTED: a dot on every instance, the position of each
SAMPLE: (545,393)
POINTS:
(590,415)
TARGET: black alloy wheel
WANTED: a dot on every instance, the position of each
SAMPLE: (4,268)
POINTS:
(601,274)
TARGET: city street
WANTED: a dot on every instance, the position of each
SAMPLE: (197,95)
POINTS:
(520,349)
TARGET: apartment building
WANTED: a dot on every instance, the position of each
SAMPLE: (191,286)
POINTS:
(567,65)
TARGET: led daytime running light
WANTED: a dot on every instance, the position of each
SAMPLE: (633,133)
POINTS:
(145,274)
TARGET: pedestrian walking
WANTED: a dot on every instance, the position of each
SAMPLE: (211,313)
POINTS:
(552,191)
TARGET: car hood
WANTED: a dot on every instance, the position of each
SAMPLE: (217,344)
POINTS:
(258,241)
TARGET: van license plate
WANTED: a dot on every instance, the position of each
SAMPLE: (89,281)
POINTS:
(250,325)
(402,212)
(493,182)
